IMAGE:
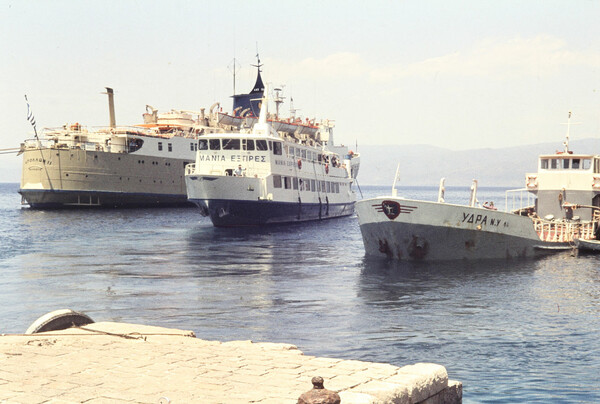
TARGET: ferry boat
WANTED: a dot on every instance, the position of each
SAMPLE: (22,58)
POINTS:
(114,166)
(272,171)
(559,205)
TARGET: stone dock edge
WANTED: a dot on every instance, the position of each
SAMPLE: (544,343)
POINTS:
(108,362)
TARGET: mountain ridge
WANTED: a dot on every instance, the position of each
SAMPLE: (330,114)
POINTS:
(425,165)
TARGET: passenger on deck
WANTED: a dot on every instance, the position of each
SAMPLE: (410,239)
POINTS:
(239,171)
(490,206)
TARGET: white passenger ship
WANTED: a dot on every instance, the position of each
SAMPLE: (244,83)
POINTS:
(277,171)
(559,205)
(115,166)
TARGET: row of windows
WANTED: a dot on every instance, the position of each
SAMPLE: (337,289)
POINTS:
(193,146)
(566,164)
(305,184)
(169,146)
(239,144)
(261,145)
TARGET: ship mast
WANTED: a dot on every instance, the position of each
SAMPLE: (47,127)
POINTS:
(566,142)
(278,100)
(234,67)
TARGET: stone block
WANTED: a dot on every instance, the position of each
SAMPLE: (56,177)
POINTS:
(422,380)
(349,397)
(384,392)
(450,395)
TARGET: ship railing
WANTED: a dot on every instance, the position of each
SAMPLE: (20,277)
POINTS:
(561,231)
(518,200)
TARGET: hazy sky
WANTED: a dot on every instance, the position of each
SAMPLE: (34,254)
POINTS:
(456,74)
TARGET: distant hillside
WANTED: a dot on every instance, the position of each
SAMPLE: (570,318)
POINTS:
(425,165)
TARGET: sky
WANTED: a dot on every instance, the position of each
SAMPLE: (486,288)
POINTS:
(454,74)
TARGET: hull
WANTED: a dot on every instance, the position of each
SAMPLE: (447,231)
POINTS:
(419,230)
(55,178)
(587,245)
(242,201)
(232,213)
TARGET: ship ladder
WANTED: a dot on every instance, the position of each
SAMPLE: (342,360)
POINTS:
(296,166)
(318,185)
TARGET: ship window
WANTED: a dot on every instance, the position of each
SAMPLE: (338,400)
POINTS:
(291,152)
(295,183)
(586,164)
(554,164)
(575,164)
(337,188)
(159,146)
(215,144)
(303,153)
(261,145)
(544,164)
(191,146)
(231,144)
(247,144)
(277,181)
(328,186)
(170,146)
(287,182)
(313,185)
(202,144)
(277,148)
(566,163)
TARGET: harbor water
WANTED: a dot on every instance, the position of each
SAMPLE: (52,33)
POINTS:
(517,331)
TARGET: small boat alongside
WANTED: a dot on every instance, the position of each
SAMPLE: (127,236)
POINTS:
(588,245)
(269,173)
(559,206)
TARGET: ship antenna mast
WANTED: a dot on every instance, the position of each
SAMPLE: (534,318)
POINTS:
(566,142)
(278,99)
(258,64)
(234,67)
(292,110)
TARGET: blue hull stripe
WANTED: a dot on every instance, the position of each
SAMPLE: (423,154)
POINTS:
(224,212)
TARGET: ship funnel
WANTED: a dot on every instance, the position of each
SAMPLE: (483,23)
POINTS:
(111,106)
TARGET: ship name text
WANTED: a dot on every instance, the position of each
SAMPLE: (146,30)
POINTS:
(482,220)
(232,158)
(38,160)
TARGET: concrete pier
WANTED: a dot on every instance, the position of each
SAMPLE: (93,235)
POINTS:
(128,363)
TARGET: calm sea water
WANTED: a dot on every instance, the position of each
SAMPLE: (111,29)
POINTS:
(511,331)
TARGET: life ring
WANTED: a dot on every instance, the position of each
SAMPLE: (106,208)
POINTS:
(326,168)
(299,164)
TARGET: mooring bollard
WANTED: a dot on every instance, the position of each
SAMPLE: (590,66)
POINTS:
(319,394)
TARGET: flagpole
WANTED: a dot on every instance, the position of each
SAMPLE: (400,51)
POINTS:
(31,120)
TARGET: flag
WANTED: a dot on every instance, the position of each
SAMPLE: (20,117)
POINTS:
(30,117)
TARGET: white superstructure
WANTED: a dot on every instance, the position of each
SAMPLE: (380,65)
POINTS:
(260,175)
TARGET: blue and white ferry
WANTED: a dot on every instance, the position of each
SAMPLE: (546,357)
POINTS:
(276,171)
